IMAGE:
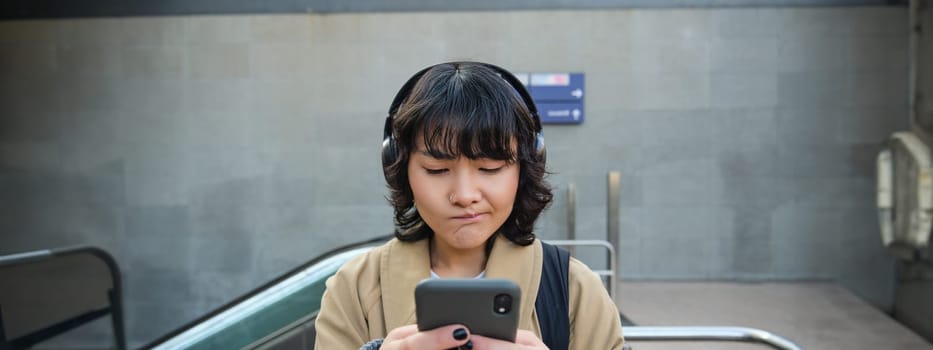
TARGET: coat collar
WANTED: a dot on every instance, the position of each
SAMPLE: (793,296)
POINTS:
(404,264)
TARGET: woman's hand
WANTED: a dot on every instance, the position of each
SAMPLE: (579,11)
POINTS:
(409,338)
(454,336)
(524,340)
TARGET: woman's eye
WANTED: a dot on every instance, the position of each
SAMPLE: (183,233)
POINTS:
(435,171)
(491,170)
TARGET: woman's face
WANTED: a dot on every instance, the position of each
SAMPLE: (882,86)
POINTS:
(463,200)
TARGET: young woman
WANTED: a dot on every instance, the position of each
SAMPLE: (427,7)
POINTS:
(464,160)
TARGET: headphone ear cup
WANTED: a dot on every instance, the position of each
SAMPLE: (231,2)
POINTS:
(389,153)
(389,147)
(540,150)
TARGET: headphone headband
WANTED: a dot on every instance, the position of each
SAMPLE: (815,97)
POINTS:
(509,77)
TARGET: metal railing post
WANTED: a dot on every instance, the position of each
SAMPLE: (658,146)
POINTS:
(609,272)
(614,194)
(572,216)
(734,334)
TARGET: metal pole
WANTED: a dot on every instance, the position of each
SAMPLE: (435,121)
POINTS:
(572,216)
(614,181)
(2,332)
(914,67)
(738,334)
(116,317)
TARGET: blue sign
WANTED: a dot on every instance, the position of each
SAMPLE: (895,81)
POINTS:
(558,96)
(560,113)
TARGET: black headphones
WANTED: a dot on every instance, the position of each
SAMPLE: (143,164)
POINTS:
(389,147)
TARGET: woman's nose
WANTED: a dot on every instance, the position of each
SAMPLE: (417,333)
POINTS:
(464,192)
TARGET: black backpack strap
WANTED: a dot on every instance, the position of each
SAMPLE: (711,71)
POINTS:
(552,303)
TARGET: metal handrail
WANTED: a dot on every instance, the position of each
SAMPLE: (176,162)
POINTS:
(611,271)
(258,302)
(631,333)
(741,334)
(114,296)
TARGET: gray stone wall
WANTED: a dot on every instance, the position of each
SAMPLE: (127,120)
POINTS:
(209,154)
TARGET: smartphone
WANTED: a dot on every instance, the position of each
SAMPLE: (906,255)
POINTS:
(488,307)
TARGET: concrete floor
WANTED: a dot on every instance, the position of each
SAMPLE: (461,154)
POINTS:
(815,315)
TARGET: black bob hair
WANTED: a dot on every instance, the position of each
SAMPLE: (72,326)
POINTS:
(467,109)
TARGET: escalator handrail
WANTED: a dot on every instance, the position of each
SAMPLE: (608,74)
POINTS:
(200,322)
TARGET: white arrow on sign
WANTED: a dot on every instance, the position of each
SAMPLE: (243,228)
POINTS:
(576,114)
(578,93)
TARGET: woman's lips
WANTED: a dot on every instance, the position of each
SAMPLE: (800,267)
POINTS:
(470,217)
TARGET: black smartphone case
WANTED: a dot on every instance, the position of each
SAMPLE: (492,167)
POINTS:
(471,302)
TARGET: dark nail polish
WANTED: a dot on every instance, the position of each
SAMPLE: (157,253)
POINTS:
(468,345)
(460,334)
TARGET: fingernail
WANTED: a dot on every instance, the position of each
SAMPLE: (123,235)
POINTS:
(460,334)
(467,346)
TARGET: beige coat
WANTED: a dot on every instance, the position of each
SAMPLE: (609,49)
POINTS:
(353,311)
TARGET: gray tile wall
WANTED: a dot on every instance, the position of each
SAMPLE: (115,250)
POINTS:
(210,154)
